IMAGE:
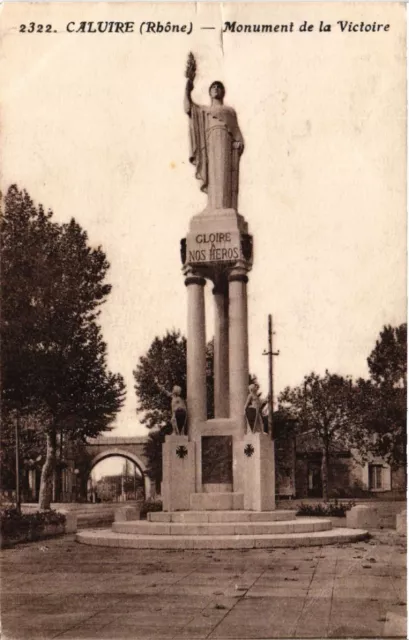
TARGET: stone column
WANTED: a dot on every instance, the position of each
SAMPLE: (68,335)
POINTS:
(221,350)
(196,352)
(238,344)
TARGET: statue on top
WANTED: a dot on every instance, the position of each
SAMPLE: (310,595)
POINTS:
(216,143)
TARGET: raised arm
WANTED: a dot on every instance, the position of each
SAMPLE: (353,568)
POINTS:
(187,101)
(162,388)
(248,401)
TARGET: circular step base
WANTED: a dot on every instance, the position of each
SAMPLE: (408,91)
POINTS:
(142,527)
(108,538)
(221,516)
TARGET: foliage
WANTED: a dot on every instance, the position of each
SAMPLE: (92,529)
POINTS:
(153,453)
(26,526)
(150,505)
(321,406)
(388,360)
(163,367)
(333,509)
(380,403)
(31,447)
(54,358)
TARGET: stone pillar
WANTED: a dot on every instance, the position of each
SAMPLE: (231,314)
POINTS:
(258,472)
(221,351)
(178,465)
(238,345)
(196,352)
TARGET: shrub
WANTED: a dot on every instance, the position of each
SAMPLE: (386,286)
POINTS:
(333,509)
(15,526)
(150,505)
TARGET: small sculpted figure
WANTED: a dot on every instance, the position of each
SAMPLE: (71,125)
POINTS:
(216,143)
(252,410)
(179,409)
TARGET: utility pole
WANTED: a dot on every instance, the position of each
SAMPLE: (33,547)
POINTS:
(270,353)
(17,435)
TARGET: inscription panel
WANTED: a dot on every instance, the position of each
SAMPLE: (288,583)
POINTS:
(217,459)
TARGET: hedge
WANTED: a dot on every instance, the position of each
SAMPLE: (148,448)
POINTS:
(26,527)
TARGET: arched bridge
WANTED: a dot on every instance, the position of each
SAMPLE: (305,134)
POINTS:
(131,448)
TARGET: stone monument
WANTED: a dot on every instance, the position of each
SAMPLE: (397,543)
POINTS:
(218,476)
(219,464)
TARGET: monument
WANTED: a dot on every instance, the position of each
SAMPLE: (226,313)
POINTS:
(218,474)
(217,249)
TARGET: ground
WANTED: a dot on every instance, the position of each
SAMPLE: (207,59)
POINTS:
(61,589)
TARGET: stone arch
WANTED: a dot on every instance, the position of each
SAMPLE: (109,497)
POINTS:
(124,453)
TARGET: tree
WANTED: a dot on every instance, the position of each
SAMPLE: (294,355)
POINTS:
(321,406)
(164,363)
(380,404)
(32,447)
(388,360)
(163,367)
(54,358)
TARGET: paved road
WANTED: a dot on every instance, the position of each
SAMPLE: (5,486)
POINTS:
(60,589)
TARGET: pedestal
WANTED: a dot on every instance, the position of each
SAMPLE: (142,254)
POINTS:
(258,472)
(178,464)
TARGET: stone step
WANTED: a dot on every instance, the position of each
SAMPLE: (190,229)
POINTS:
(216,501)
(221,516)
(142,527)
(109,538)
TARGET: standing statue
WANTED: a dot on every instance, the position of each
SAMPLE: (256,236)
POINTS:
(253,410)
(216,143)
(178,407)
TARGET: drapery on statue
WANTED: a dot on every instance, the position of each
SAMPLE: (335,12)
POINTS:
(216,143)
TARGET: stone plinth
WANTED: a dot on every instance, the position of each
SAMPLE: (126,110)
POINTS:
(401,522)
(71,521)
(124,514)
(178,472)
(258,472)
(362,516)
(216,501)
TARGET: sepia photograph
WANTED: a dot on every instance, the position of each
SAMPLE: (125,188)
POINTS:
(203,320)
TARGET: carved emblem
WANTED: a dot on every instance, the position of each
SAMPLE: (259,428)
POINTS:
(181,451)
(247,246)
(249,450)
(183,250)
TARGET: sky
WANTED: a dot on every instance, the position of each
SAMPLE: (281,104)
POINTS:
(93,127)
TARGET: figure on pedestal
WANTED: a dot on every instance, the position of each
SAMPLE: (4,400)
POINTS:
(179,409)
(252,410)
(216,143)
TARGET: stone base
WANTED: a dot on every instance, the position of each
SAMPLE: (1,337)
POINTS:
(214,239)
(401,523)
(363,516)
(178,456)
(221,530)
(216,501)
(302,525)
(108,538)
(258,471)
(71,521)
(124,514)
(222,516)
